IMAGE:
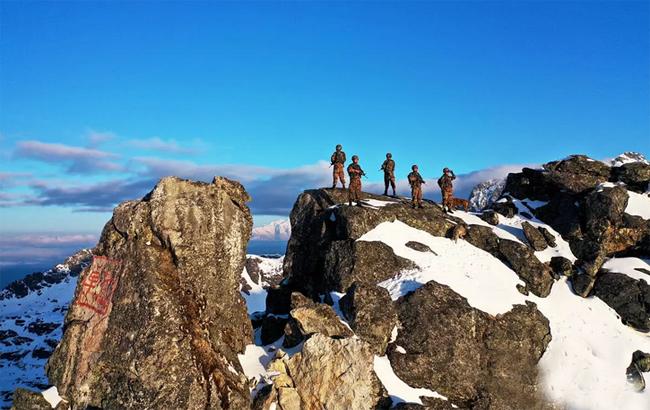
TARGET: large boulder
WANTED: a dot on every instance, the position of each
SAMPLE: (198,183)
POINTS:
(466,354)
(157,320)
(576,174)
(323,253)
(319,318)
(629,297)
(538,276)
(327,374)
(535,238)
(350,261)
(370,312)
(635,175)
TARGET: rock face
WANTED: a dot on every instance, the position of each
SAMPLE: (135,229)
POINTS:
(371,314)
(535,237)
(327,374)
(587,210)
(162,294)
(630,298)
(466,354)
(323,253)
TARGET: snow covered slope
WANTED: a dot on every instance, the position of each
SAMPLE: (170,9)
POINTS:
(31,318)
(584,365)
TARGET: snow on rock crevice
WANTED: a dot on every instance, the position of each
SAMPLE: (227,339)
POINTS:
(584,365)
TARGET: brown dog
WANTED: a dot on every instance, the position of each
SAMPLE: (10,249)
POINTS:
(460,203)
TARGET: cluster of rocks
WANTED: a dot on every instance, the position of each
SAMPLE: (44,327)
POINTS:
(433,337)
(168,269)
(585,201)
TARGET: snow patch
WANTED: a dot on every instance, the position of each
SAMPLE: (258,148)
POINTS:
(632,267)
(638,204)
(51,395)
(399,391)
(470,271)
(585,362)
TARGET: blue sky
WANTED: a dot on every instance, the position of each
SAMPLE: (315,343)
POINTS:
(99,99)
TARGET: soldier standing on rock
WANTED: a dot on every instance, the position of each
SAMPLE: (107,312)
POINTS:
(355,172)
(416,181)
(338,160)
(447,189)
(389,173)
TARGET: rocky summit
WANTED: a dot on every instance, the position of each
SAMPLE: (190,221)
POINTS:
(540,301)
(157,320)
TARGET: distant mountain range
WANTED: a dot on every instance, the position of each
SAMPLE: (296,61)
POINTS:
(279,230)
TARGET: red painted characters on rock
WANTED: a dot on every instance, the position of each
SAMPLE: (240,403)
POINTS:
(99,284)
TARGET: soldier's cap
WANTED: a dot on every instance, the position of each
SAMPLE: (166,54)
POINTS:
(354,157)
(389,155)
(338,146)
(445,169)
(414,167)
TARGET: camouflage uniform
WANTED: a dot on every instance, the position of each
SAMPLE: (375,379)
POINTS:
(447,189)
(416,181)
(389,175)
(338,160)
(354,192)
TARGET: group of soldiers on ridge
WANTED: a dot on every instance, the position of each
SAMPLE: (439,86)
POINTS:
(355,172)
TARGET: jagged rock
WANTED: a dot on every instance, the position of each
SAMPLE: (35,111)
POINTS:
(505,208)
(522,260)
(629,297)
(534,236)
(278,300)
(299,300)
(490,217)
(635,175)
(165,296)
(370,313)
(577,173)
(319,318)
(530,183)
(327,374)
(24,399)
(583,284)
(420,247)
(483,237)
(561,266)
(351,261)
(548,236)
(562,212)
(464,353)
(272,328)
(604,209)
(323,253)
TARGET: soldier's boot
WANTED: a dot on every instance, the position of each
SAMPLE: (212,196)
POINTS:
(343,185)
(386,192)
(394,192)
(420,206)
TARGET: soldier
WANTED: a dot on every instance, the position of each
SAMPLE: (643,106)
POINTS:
(389,173)
(447,189)
(416,181)
(338,160)
(355,172)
